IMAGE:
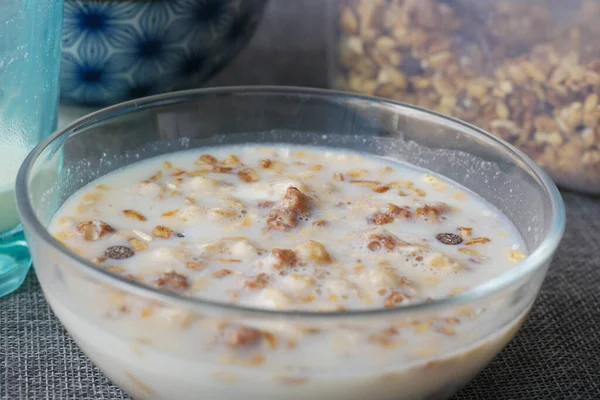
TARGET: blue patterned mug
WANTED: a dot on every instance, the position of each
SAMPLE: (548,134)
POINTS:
(116,50)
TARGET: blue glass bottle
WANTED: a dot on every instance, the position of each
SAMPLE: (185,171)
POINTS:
(30,39)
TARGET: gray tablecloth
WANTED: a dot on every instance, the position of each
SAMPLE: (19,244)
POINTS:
(556,355)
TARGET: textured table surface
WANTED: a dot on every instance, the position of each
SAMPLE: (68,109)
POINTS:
(556,355)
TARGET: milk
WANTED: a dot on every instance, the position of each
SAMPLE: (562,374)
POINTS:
(13,150)
(216,240)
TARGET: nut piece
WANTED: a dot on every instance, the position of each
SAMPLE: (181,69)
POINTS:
(516,256)
(258,282)
(357,173)
(119,252)
(367,184)
(137,244)
(243,336)
(270,339)
(449,238)
(248,175)
(99,260)
(283,258)
(439,260)
(338,177)
(402,212)
(232,159)
(266,204)
(295,200)
(446,330)
(431,212)
(197,172)
(162,232)
(208,159)
(115,269)
(427,212)
(471,252)
(156,176)
(416,191)
(465,233)
(477,241)
(172,281)
(313,251)
(170,213)
(221,170)
(393,299)
(94,230)
(381,189)
(222,272)
(281,220)
(381,239)
(380,218)
(276,298)
(220,214)
(194,265)
(134,215)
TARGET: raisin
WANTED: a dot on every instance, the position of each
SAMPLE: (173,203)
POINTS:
(449,238)
(119,252)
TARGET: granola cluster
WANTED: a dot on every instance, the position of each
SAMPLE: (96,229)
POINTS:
(272,232)
(510,67)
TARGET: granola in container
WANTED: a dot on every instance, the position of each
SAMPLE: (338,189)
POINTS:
(527,71)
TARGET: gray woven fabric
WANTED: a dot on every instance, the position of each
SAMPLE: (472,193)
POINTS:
(555,356)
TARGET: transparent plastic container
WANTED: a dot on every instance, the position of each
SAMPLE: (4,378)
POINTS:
(528,71)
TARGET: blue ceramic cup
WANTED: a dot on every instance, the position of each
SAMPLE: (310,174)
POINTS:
(116,50)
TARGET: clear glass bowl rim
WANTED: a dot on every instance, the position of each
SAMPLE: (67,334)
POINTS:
(537,259)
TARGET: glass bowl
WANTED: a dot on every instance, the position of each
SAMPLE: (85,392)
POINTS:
(157,345)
